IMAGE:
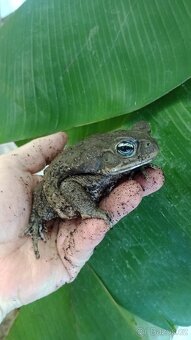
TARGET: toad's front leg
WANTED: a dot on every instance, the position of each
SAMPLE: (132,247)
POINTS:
(71,200)
(80,202)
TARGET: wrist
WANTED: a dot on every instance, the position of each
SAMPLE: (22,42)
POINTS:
(5,308)
(3,313)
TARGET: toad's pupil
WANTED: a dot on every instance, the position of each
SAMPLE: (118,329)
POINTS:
(126,148)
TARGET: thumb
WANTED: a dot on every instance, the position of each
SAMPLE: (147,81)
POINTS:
(35,155)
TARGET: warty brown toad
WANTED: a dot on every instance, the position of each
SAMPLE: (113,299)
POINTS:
(81,175)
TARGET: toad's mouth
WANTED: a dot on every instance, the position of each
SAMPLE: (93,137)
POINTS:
(125,168)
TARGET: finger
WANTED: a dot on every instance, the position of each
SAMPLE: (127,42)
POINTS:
(126,197)
(122,200)
(150,182)
(35,155)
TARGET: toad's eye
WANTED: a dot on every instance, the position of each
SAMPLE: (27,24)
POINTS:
(127,147)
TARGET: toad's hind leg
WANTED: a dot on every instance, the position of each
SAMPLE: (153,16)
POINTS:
(35,231)
(40,213)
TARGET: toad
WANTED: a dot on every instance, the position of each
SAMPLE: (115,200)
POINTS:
(82,174)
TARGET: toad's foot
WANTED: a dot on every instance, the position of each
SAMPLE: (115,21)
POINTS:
(36,231)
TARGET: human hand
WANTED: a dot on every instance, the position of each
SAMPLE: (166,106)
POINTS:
(69,245)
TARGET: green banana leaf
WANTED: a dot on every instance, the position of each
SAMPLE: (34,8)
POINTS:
(75,62)
(77,318)
(85,66)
